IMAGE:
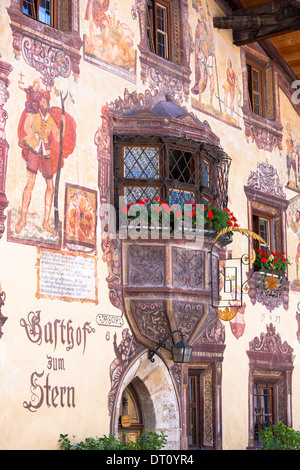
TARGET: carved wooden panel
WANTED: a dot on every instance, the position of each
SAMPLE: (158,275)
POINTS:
(151,318)
(146,265)
(188,269)
(188,315)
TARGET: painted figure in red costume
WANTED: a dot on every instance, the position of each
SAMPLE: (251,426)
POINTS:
(40,139)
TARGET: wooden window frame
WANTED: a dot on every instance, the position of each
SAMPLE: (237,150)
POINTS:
(273,366)
(195,405)
(254,66)
(54,17)
(164,183)
(206,405)
(256,227)
(264,130)
(153,29)
(272,405)
(269,208)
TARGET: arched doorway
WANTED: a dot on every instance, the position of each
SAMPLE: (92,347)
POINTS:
(155,399)
(130,425)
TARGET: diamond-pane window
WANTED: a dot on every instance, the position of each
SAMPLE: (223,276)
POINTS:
(140,162)
(173,170)
(181,197)
(133,194)
(182,166)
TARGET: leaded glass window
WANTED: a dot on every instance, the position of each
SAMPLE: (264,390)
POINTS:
(174,170)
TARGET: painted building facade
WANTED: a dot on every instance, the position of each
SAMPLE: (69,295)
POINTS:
(96,105)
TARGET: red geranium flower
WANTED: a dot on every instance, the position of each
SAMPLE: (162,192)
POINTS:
(263,260)
(210,215)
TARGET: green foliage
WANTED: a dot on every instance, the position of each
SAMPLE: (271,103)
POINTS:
(213,217)
(273,261)
(280,437)
(150,440)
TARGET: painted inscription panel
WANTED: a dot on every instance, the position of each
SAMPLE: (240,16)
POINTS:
(67,276)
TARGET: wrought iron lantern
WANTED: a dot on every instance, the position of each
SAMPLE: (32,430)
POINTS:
(181,351)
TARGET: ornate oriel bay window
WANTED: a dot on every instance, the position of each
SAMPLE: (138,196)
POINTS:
(174,168)
(150,147)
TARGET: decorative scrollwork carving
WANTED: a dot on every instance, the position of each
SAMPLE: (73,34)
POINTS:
(146,266)
(270,342)
(188,269)
(47,60)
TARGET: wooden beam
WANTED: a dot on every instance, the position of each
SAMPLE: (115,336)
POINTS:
(263,21)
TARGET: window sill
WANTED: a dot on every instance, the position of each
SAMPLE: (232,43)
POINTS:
(266,133)
(23,26)
(152,64)
(269,301)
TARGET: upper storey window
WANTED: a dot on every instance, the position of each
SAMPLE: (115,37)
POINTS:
(54,13)
(256,89)
(261,104)
(46,34)
(165,43)
(44,11)
(158,28)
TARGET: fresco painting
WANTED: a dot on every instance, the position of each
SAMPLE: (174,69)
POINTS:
(80,218)
(292,159)
(85,316)
(215,91)
(293,223)
(109,43)
(46,136)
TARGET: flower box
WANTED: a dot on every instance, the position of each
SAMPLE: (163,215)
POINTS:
(179,217)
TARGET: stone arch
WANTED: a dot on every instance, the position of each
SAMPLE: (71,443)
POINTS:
(156,390)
